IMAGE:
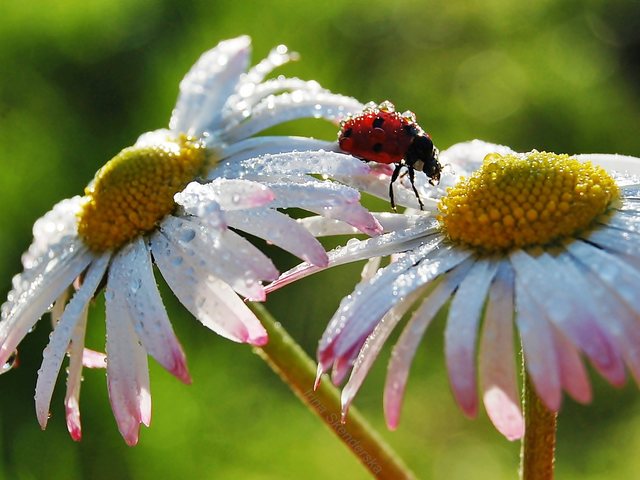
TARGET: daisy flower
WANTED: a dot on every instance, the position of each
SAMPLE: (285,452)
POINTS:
(550,243)
(144,208)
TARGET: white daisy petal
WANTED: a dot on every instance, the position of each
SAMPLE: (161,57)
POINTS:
(538,346)
(462,330)
(281,230)
(22,311)
(208,85)
(611,271)
(569,314)
(360,250)
(497,364)
(407,345)
(55,351)
(622,163)
(379,185)
(277,57)
(132,270)
(467,156)
(256,146)
(324,227)
(209,299)
(50,229)
(282,108)
(204,200)
(127,370)
(370,305)
(74,378)
(372,346)
(228,256)
(290,165)
(616,240)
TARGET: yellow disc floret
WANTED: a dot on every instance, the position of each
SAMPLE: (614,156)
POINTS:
(135,190)
(525,200)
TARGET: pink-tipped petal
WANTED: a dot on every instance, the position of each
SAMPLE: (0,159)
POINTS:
(226,255)
(572,372)
(74,379)
(461,333)
(497,358)
(540,357)
(127,370)
(319,372)
(281,230)
(372,346)
(93,359)
(358,315)
(228,194)
(567,309)
(209,299)
(407,345)
(132,273)
(55,351)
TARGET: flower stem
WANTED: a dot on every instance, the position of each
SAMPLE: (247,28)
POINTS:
(298,371)
(539,442)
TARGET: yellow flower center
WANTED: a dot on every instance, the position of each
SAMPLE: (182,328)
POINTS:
(134,191)
(518,201)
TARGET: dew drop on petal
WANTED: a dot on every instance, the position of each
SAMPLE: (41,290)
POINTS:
(11,362)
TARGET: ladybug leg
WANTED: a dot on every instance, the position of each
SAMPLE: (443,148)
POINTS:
(412,178)
(394,177)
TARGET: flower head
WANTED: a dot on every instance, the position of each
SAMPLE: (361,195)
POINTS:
(152,204)
(548,242)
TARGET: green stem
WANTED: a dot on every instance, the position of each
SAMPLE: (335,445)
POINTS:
(539,442)
(298,371)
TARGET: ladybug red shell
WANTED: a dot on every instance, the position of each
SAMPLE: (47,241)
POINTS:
(380,134)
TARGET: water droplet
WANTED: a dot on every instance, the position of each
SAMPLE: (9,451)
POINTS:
(11,362)
(177,261)
(187,235)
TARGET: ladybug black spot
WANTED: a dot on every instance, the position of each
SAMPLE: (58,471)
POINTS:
(377,123)
(347,132)
(377,147)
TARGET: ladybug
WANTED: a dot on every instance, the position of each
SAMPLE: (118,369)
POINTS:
(380,134)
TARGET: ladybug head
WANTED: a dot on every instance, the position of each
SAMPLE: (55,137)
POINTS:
(422,155)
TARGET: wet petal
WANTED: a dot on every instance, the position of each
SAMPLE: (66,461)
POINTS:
(372,346)
(39,288)
(285,107)
(538,346)
(293,164)
(357,315)
(407,345)
(566,309)
(621,163)
(462,330)
(231,195)
(209,299)
(127,369)
(54,353)
(424,233)
(225,255)
(50,229)
(498,375)
(255,146)
(132,272)
(74,379)
(207,86)
(281,230)
(573,375)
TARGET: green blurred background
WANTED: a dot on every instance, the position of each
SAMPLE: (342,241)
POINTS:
(80,80)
